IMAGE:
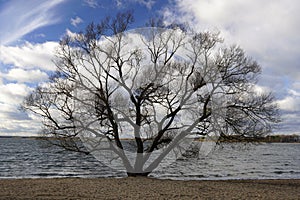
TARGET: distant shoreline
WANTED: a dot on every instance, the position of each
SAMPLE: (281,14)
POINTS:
(147,188)
(267,139)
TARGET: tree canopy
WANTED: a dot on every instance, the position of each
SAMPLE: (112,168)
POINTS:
(135,96)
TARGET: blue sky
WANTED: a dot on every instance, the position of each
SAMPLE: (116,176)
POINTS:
(30,30)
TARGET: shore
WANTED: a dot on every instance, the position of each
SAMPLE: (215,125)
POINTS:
(147,188)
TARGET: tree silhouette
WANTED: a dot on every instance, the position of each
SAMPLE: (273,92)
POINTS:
(160,87)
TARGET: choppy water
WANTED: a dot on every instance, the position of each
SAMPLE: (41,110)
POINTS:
(28,158)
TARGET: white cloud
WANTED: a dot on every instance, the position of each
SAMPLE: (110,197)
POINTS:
(294,93)
(147,3)
(261,89)
(70,33)
(13,93)
(14,121)
(119,3)
(92,3)
(27,65)
(17,18)
(29,55)
(268,30)
(289,103)
(76,21)
(26,76)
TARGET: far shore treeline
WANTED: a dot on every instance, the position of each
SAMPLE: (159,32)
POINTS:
(267,139)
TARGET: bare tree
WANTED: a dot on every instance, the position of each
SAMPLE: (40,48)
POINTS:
(160,87)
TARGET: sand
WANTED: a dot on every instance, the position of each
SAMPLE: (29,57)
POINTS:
(147,188)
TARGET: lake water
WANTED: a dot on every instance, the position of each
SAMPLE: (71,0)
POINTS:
(28,158)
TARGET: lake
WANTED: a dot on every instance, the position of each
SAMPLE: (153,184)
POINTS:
(30,158)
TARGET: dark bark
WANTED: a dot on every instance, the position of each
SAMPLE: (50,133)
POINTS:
(145,174)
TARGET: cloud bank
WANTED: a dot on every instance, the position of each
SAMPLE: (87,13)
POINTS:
(267,30)
(23,67)
(28,56)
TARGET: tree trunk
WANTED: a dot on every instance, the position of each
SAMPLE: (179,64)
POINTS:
(132,174)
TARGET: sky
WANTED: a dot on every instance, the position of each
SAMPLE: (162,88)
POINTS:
(30,31)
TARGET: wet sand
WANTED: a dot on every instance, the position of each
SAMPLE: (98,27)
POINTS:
(147,188)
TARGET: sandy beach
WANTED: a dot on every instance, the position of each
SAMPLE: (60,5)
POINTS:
(147,188)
